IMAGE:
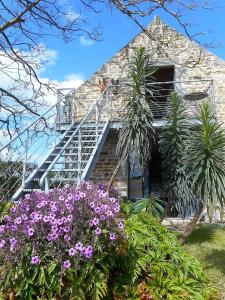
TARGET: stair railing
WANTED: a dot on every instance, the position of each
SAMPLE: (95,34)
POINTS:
(21,155)
(68,165)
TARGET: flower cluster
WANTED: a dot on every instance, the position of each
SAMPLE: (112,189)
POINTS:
(68,225)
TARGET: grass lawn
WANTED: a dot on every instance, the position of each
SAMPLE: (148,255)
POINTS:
(207,244)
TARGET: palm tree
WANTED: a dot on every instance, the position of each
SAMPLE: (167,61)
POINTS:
(137,132)
(173,146)
(206,164)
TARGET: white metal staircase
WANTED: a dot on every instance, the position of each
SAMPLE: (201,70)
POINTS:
(43,156)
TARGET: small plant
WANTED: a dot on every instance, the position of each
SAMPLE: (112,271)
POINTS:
(152,205)
(57,240)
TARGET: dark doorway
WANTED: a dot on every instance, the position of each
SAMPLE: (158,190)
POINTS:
(148,182)
(163,85)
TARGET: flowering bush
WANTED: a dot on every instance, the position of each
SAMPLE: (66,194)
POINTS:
(51,234)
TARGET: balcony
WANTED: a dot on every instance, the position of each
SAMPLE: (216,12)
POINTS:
(193,92)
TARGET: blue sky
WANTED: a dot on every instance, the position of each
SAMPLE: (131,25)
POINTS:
(80,58)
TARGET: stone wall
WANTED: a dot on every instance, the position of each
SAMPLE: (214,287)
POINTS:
(107,162)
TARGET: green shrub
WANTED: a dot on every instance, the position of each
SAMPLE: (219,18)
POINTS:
(155,266)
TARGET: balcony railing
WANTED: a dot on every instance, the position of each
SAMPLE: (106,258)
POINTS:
(193,92)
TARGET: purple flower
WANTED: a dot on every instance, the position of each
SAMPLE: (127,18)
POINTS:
(13,227)
(24,217)
(102,218)
(104,206)
(89,186)
(18,220)
(69,218)
(113,200)
(27,196)
(72,251)
(67,237)
(66,264)
(112,236)
(69,206)
(27,207)
(98,231)
(37,217)
(7,218)
(2,243)
(67,186)
(88,252)
(120,225)
(13,210)
(53,236)
(35,260)
(13,242)
(97,210)
(54,208)
(2,228)
(30,231)
(102,194)
(57,224)
(117,208)
(94,222)
(60,222)
(82,195)
(46,219)
(109,213)
(66,229)
(92,204)
(79,246)
(77,196)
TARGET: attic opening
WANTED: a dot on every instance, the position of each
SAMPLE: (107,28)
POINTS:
(162,87)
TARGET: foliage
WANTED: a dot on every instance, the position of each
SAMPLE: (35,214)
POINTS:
(173,146)
(206,158)
(137,124)
(152,205)
(154,259)
(51,241)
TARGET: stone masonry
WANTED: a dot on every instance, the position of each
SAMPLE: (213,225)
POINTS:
(192,64)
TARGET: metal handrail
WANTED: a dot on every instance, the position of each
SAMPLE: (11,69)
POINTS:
(35,121)
(43,177)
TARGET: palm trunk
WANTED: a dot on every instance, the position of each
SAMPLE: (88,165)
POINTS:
(190,226)
(113,177)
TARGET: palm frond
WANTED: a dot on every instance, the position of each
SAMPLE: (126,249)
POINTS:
(206,156)
(173,146)
(152,205)
(137,132)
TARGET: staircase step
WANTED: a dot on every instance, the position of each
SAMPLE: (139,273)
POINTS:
(75,147)
(64,170)
(71,154)
(83,135)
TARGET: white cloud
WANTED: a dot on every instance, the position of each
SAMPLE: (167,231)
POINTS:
(71,15)
(71,81)
(14,78)
(86,42)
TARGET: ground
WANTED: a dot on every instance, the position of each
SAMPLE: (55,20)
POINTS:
(207,244)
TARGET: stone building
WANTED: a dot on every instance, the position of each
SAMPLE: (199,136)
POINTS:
(183,65)
(88,120)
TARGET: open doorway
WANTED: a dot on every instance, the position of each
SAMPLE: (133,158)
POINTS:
(148,182)
(163,79)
